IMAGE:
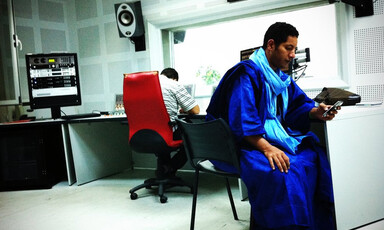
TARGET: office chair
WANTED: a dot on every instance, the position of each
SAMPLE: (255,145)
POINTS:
(150,129)
(207,141)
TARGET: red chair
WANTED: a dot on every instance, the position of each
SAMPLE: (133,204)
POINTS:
(150,129)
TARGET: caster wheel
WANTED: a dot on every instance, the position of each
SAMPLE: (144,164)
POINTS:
(163,199)
(133,196)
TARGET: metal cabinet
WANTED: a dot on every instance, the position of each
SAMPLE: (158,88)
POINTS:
(31,156)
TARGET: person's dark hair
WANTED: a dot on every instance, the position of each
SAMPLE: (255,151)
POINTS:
(279,32)
(170,73)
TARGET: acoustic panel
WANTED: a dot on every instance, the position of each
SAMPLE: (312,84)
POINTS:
(51,11)
(85,9)
(53,40)
(89,41)
(369,50)
(371,93)
(378,7)
(23,9)
(91,79)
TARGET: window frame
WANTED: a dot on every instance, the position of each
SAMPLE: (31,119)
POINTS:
(14,44)
(342,79)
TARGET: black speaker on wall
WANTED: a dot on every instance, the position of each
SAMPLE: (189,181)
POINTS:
(130,24)
(362,7)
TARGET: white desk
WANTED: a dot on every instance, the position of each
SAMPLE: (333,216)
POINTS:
(95,148)
(354,141)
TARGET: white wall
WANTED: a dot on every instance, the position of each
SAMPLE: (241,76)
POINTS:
(89,28)
(365,40)
(360,39)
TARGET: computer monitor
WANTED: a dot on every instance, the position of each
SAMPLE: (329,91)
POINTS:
(190,89)
(245,54)
(53,81)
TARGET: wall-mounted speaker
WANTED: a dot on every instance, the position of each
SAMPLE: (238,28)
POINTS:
(178,37)
(362,7)
(130,24)
(129,19)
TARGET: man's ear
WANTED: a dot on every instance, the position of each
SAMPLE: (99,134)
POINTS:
(271,44)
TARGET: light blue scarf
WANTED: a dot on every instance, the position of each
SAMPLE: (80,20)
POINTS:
(275,83)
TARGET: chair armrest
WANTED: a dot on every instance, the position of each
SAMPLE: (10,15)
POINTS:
(190,117)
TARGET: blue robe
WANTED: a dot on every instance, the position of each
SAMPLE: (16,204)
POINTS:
(300,199)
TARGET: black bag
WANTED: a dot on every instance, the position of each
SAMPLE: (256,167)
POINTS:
(329,96)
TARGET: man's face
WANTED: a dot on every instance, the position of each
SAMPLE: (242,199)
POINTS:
(279,57)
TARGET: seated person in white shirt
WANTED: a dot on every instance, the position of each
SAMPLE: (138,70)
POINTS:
(176,99)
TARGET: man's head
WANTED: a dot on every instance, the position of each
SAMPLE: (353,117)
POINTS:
(170,73)
(280,42)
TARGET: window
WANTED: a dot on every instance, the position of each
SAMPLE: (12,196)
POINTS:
(217,47)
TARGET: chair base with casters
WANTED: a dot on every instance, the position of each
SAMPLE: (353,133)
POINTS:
(162,182)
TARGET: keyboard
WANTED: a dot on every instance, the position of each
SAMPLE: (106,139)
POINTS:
(82,115)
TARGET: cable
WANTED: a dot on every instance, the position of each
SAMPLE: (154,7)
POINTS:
(300,68)
(302,73)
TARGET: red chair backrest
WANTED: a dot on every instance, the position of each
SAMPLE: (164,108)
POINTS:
(144,106)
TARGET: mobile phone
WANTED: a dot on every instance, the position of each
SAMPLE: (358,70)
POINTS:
(334,106)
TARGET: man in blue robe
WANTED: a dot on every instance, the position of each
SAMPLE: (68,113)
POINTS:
(270,116)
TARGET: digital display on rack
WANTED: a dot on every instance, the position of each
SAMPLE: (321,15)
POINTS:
(53,80)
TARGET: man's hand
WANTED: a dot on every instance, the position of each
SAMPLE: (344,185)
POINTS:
(275,156)
(317,112)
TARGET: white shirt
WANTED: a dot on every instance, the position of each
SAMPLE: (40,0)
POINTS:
(175,96)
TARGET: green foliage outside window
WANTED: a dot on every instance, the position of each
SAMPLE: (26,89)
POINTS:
(209,75)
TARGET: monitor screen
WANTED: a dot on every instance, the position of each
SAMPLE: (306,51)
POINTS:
(53,81)
(190,89)
(245,54)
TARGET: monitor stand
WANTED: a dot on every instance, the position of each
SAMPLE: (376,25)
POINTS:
(55,112)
